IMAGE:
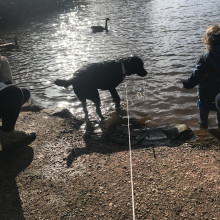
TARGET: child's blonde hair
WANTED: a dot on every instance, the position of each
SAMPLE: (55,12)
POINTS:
(211,37)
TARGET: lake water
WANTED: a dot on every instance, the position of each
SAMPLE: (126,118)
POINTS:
(166,34)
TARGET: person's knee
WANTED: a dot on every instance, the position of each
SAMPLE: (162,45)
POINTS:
(12,95)
(16,93)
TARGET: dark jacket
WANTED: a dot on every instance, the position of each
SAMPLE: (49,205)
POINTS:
(207,75)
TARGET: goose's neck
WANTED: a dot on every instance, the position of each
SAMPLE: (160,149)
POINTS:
(106,24)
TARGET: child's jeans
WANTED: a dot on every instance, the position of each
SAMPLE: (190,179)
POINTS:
(204,110)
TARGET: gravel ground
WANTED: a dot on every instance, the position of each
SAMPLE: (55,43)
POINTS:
(73,173)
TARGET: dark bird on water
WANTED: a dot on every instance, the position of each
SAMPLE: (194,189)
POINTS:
(101,28)
(10,45)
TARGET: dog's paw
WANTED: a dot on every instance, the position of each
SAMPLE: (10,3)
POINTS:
(117,106)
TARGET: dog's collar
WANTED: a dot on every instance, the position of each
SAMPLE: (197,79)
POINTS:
(123,68)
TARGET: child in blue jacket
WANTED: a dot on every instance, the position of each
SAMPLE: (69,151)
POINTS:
(207,76)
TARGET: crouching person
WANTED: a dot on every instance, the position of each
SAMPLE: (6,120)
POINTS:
(11,99)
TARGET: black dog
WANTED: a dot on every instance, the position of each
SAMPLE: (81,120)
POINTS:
(106,76)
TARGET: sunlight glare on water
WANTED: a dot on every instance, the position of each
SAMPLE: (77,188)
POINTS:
(167,35)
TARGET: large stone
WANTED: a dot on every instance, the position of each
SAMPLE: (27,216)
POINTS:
(177,132)
(31,106)
(62,113)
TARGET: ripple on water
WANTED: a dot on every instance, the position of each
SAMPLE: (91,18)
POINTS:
(166,34)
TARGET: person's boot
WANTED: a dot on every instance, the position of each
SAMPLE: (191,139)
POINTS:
(203,122)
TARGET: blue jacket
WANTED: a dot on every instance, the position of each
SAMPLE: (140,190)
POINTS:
(207,75)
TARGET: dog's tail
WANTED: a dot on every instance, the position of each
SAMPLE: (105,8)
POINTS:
(63,82)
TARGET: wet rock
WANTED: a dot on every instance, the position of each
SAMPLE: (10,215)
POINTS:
(59,112)
(156,134)
(67,115)
(178,132)
(142,136)
(31,107)
(64,113)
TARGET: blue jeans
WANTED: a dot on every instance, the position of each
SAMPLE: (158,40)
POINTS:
(204,110)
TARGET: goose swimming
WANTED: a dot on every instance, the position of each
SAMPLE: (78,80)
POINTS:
(101,28)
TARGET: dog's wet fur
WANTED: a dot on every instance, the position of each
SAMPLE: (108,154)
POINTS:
(105,76)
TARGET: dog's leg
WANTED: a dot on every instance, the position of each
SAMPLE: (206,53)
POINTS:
(98,109)
(96,99)
(115,97)
(84,105)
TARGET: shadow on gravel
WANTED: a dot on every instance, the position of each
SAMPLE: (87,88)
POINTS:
(12,162)
(113,136)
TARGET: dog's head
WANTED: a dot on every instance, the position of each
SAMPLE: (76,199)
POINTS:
(134,65)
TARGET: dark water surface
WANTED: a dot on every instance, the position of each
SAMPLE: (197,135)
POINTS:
(166,34)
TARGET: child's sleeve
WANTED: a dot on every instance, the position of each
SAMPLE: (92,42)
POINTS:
(198,74)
